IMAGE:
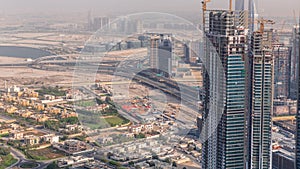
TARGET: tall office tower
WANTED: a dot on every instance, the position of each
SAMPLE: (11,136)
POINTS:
(160,53)
(153,50)
(281,70)
(261,100)
(187,52)
(100,23)
(226,33)
(294,63)
(298,102)
(165,57)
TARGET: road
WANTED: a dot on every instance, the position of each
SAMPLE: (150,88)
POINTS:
(22,159)
(126,115)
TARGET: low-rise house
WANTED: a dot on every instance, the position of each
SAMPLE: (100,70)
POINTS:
(69,114)
(74,146)
(17,135)
(74,161)
(39,106)
(11,109)
(136,129)
(40,117)
(51,138)
(26,114)
(5,129)
(105,140)
(31,140)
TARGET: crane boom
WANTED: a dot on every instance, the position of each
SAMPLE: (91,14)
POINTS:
(204,8)
(262,23)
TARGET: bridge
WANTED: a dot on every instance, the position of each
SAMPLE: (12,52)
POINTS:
(284,118)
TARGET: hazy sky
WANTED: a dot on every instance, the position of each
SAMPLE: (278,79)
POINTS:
(266,7)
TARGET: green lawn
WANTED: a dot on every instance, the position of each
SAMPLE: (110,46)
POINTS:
(113,121)
(96,121)
(7,161)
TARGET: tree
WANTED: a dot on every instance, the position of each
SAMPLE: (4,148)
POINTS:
(52,166)
(4,151)
(141,135)
(131,163)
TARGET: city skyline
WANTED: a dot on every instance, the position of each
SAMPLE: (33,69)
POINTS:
(278,7)
(150,84)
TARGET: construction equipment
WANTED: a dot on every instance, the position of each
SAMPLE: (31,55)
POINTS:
(204,4)
(262,23)
(204,8)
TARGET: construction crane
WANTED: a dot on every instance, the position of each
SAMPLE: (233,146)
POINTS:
(204,8)
(262,23)
(230,5)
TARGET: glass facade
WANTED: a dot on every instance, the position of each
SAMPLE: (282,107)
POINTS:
(225,148)
(262,103)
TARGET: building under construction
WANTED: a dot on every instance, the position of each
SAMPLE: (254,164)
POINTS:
(160,53)
(226,42)
(261,105)
(282,69)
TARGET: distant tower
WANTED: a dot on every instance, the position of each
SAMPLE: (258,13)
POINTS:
(160,53)
(187,52)
(282,70)
(294,63)
(165,57)
(240,5)
(251,9)
(153,50)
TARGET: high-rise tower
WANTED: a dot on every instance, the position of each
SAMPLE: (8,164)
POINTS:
(160,53)
(226,33)
(294,63)
(251,8)
(282,70)
(261,70)
(165,57)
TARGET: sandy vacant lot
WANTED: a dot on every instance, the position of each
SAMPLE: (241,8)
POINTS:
(26,76)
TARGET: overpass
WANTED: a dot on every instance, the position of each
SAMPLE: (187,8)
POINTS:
(284,118)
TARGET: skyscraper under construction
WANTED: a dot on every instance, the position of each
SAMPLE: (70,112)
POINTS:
(261,105)
(242,138)
(226,33)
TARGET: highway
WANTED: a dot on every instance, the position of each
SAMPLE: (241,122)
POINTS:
(129,69)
